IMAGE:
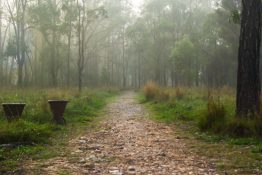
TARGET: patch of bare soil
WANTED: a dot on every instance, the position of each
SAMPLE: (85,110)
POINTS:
(127,143)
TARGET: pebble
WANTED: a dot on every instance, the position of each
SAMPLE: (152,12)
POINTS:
(82,141)
(89,166)
(131,169)
(115,171)
(82,160)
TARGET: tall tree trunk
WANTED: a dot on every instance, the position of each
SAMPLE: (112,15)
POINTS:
(248,85)
(11,71)
(53,61)
(80,57)
(81,41)
(139,69)
(69,55)
(20,74)
(23,45)
(1,51)
(18,57)
(124,59)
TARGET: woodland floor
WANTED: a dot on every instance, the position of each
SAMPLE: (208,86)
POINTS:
(126,142)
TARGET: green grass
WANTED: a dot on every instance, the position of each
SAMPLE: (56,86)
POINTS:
(172,110)
(257,149)
(229,152)
(211,114)
(35,135)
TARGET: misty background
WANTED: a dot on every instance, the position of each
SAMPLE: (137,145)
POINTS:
(78,43)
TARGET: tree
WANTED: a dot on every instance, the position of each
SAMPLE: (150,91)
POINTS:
(248,80)
(86,16)
(17,16)
(70,18)
(1,50)
(183,57)
(11,52)
(46,17)
(219,45)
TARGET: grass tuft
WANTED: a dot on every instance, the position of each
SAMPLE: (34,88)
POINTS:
(151,91)
(214,117)
(244,127)
(179,93)
(24,132)
(35,129)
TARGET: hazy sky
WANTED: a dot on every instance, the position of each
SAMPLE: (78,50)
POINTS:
(137,4)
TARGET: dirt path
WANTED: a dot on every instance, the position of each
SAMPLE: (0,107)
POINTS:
(128,143)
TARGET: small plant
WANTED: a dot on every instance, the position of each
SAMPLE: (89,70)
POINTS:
(214,118)
(24,132)
(151,91)
(258,125)
(258,149)
(179,93)
(245,127)
(163,96)
(43,105)
(241,127)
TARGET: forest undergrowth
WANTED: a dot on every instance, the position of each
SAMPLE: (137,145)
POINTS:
(207,115)
(35,135)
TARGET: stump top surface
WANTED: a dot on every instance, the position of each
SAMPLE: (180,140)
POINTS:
(5,104)
(57,100)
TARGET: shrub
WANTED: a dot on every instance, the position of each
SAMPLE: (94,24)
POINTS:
(179,93)
(258,125)
(163,95)
(258,149)
(36,124)
(215,116)
(245,127)
(24,132)
(241,127)
(151,90)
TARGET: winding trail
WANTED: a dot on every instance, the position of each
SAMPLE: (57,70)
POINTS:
(128,143)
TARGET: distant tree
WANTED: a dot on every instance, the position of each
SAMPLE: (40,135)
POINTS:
(69,9)
(183,57)
(248,82)
(45,16)
(86,16)
(17,12)
(11,52)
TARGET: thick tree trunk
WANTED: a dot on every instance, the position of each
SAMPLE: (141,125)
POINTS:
(248,85)
(1,51)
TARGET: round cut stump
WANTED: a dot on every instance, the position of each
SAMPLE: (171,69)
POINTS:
(13,111)
(58,108)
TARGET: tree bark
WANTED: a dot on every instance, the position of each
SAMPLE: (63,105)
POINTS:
(53,66)
(69,55)
(249,85)
(1,51)
(124,59)
(81,43)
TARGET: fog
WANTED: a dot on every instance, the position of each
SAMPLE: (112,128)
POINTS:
(66,43)
(130,87)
